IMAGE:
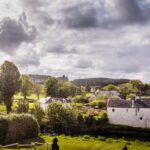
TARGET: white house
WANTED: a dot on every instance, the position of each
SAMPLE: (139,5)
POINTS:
(134,113)
(46,101)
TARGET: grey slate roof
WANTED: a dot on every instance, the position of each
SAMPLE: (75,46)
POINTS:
(140,103)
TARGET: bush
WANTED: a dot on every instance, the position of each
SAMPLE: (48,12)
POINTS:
(104,116)
(86,137)
(38,113)
(18,127)
(22,107)
(103,97)
(102,119)
(3,128)
(101,138)
(80,99)
(99,104)
(61,117)
(92,104)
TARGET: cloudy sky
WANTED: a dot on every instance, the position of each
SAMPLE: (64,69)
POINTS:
(78,38)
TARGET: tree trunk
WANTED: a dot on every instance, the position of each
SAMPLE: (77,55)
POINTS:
(38,95)
(8,107)
(25,97)
(8,103)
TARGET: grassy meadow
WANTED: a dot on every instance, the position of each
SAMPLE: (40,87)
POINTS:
(90,143)
(32,99)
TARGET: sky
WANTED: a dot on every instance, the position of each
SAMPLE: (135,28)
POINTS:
(78,38)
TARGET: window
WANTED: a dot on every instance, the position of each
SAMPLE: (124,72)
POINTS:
(141,118)
(113,110)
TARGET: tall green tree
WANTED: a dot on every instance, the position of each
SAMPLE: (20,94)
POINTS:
(9,82)
(26,86)
(69,89)
(137,86)
(110,87)
(126,89)
(51,87)
(145,90)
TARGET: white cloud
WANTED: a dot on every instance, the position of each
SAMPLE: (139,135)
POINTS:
(79,38)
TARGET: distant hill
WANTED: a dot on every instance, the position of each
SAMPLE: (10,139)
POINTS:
(40,79)
(99,81)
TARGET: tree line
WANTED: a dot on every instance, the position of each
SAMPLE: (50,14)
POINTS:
(11,82)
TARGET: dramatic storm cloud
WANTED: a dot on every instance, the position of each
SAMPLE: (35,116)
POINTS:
(14,32)
(79,38)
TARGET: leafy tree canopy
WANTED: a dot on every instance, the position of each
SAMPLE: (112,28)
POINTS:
(26,85)
(9,82)
(51,87)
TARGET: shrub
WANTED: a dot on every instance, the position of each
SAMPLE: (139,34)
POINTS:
(86,137)
(103,97)
(101,104)
(17,127)
(97,103)
(61,117)
(131,96)
(104,116)
(80,99)
(22,107)
(92,104)
(101,138)
(3,128)
(38,113)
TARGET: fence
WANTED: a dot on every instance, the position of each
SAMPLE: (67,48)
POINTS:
(32,146)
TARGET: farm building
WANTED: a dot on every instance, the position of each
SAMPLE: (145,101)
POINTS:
(134,113)
(46,101)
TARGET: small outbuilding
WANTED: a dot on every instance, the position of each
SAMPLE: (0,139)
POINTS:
(46,101)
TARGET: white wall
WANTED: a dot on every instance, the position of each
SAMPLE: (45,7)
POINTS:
(129,116)
(44,106)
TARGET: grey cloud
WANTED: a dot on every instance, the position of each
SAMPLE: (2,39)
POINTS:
(131,11)
(84,64)
(87,15)
(60,49)
(38,11)
(46,19)
(32,4)
(126,61)
(14,32)
(30,58)
(82,15)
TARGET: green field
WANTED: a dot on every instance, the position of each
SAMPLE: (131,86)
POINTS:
(31,96)
(91,143)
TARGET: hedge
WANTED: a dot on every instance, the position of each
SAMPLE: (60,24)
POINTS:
(16,127)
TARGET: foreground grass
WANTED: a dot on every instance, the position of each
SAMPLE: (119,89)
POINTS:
(91,143)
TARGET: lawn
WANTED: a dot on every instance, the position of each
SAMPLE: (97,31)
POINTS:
(31,96)
(2,108)
(32,99)
(91,143)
